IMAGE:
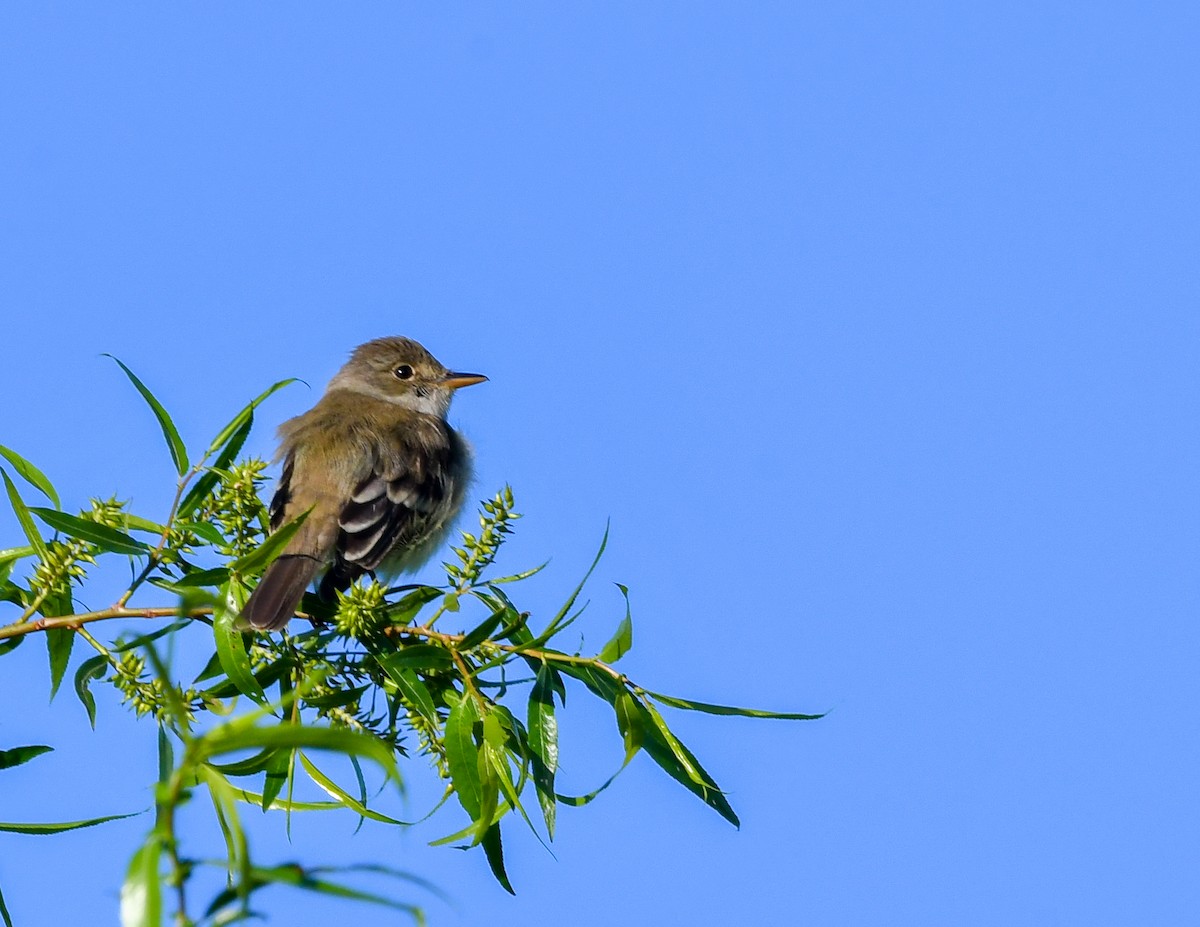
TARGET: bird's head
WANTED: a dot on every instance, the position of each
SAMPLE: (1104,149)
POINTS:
(401,371)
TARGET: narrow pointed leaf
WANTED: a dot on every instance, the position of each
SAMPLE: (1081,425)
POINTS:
(142,640)
(137,523)
(261,557)
(415,692)
(31,474)
(209,479)
(692,705)
(250,766)
(336,791)
(629,722)
(170,432)
(543,742)
(18,756)
(681,765)
(622,640)
(59,828)
(567,605)
(517,577)
(201,579)
(141,895)
(231,651)
(89,671)
(203,530)
(59,642)
(23,518)
(480,633)
(4,912)
(404,610)
(104,537)
(494,850)
(239,421)
(281,804)
(578,801)
(462,755)
(275,777)
(231,738)
(428,657)
(10,555)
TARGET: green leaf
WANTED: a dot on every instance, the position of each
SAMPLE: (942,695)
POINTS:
(166,755)
(629,722)
(620,643)
(174,442)
(250,766)
(231,651)
(543,742)
(166,766)
(280,804)
(233,736)
(298,877)
(692,705)
(265,677)
(141,895)
(224,799)
(89,671)
(59,642)
(137,523)
(23,518)
(495,857)
(18,756)
(681,765)
(567,605)
(276,772)
(203,530)
(11,554)
(462,756)
(261,557)
(337,698)
(62,827)
(197,579)
(203,487)
(415,692)
(333,789)
(426,657)
(149,637)
(4,912)
(32,474)
(405,609)
(578,801)
(245,418)
(517,577)
(480,633)
(104,537)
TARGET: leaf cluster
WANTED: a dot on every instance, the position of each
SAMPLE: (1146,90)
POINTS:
(377,680)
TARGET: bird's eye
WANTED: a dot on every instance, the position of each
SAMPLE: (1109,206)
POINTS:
(403,372)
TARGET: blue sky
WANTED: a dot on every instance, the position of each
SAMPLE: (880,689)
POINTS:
(873,329)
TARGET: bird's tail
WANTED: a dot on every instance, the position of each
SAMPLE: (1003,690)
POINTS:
(275,600)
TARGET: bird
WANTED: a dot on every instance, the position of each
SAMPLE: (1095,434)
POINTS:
(375,469)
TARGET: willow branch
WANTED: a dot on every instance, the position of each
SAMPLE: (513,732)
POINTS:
(450,641)
(77,621)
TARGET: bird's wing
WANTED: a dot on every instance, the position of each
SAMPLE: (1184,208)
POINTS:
(283,493)
(393,507)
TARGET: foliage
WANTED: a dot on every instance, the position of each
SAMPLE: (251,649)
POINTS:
(375,679)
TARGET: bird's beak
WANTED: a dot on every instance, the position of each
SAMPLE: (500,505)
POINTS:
(454,380)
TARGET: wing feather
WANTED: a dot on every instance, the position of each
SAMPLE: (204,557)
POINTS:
(396,505)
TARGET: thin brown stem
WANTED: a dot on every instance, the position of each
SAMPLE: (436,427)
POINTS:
(152,560)
(450,641)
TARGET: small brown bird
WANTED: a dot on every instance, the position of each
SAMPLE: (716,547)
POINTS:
(379,472)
